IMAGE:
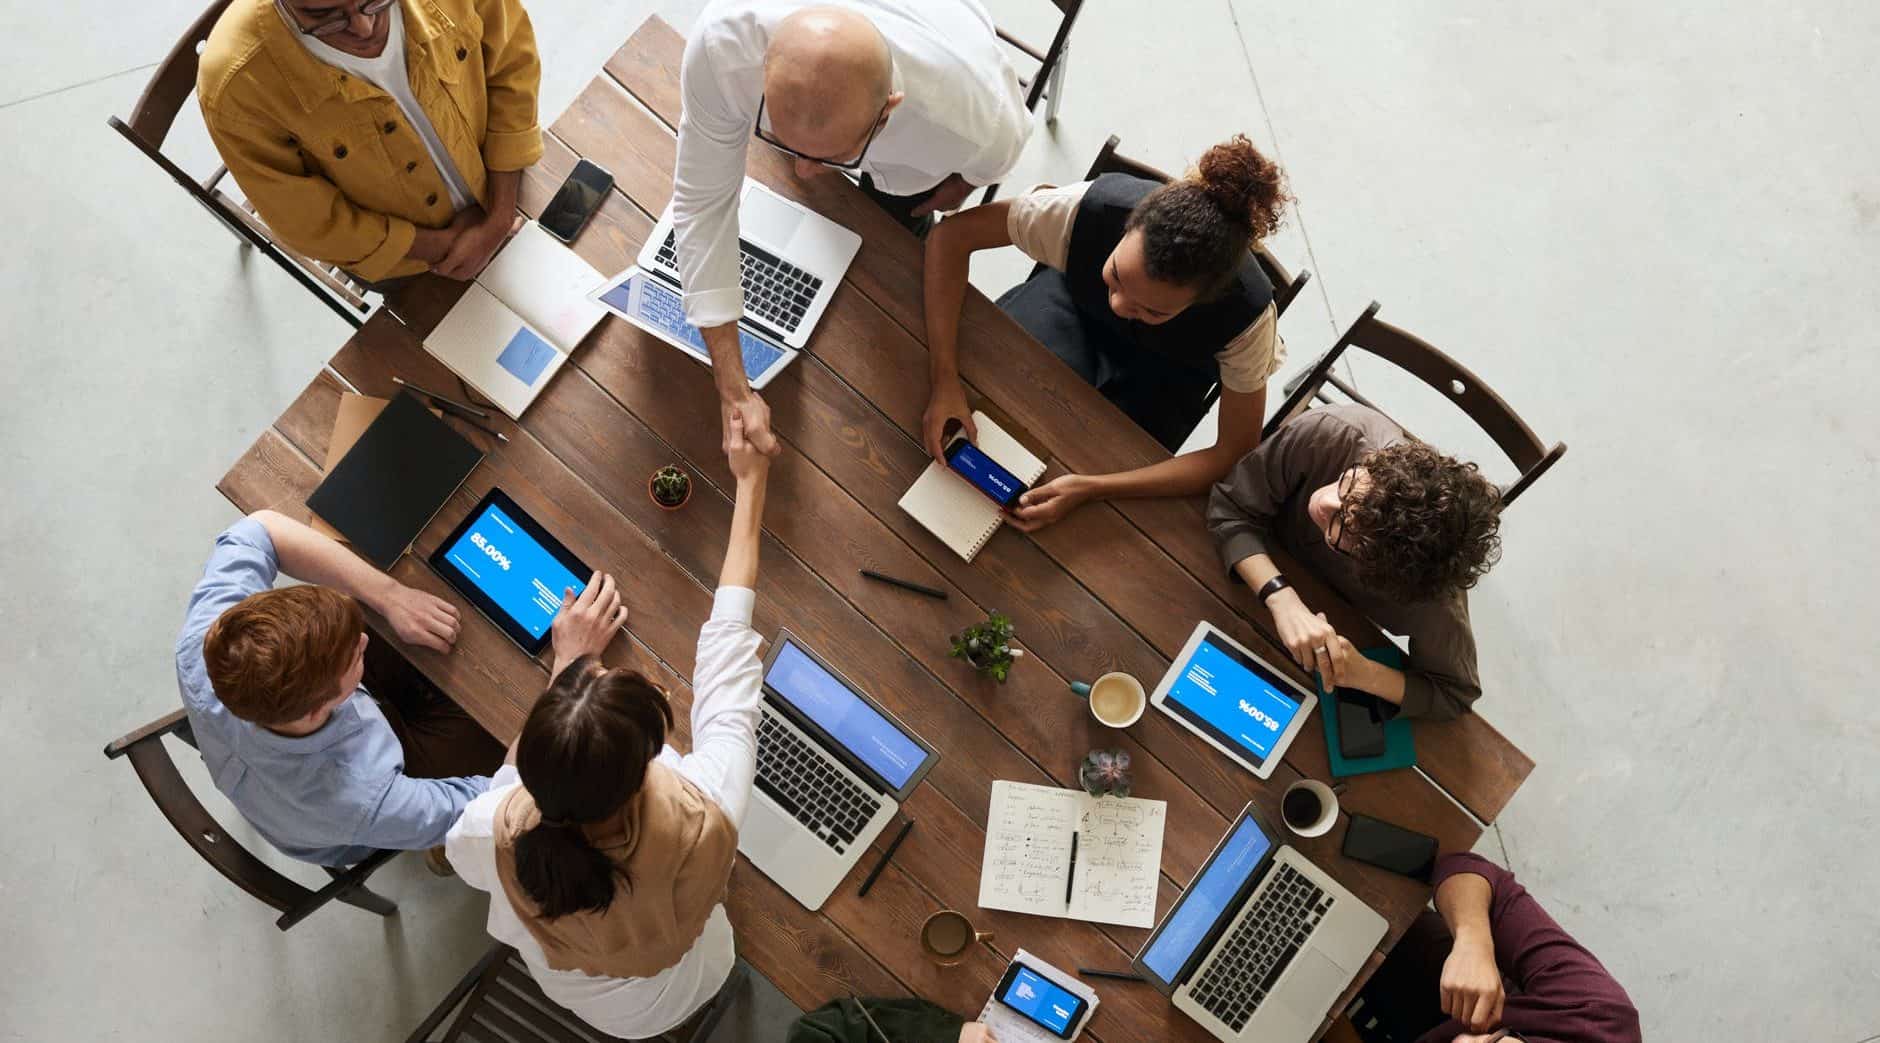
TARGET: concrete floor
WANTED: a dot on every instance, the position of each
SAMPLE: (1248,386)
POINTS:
(1652,227)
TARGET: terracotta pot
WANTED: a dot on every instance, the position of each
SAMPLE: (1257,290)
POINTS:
(661,504)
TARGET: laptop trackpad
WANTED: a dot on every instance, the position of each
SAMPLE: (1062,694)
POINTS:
(1313,985)
(767,221)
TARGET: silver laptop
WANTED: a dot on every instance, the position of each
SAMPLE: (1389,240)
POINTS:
(792,260)
(833,767)
(1261,942)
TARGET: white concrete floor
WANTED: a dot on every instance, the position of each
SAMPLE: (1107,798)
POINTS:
(1652,227)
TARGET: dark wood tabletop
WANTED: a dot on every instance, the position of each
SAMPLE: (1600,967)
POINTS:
(1113,587)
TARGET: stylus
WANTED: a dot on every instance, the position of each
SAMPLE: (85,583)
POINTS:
(904,584)
(893,846)
(1092,972)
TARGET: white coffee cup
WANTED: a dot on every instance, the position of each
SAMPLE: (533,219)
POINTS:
(1328,808)
(1116,699)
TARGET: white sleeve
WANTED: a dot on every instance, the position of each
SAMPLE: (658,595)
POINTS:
(470,845)
(726,686)
(706,179)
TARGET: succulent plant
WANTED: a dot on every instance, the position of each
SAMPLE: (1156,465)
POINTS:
(988,646)
(671,485)
(1105,773)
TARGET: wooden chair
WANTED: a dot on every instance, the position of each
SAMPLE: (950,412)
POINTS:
(1048,82)
(1531,456)
(151,760)
(499,1002)
(149,125)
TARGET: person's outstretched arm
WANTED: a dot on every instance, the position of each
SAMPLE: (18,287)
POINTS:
(416,617)
(950,248)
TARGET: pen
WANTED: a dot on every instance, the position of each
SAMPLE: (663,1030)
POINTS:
(893,845)
(1092,972)
(468,411)
(904,584)
(1071,873)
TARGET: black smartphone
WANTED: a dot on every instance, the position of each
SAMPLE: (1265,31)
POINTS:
(972,464)
(1395,848)
(576,200)
(1040,1000)
(1360,725)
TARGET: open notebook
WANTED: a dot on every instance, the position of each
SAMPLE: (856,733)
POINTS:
(952,509)
(517,323)
(1110,871)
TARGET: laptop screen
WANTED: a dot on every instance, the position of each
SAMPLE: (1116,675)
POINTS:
(870,736)
(1207,902)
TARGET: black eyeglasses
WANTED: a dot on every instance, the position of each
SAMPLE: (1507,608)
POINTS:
(757,129)
(1335,529)
(335,25)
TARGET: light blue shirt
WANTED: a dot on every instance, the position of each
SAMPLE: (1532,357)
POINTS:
(332,797)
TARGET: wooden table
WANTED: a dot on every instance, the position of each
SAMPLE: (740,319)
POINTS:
(1113,587)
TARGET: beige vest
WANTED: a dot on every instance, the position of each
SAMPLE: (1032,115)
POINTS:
(677,846)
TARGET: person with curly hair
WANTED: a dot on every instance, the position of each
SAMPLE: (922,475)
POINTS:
(1149,291)
(1397,528)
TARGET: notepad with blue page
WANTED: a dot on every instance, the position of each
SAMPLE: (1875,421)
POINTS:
(1399,749)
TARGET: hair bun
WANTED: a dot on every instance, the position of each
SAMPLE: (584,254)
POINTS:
(1246,185)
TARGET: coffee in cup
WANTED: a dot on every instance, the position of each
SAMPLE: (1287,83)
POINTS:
(1309,807)
(947,935)
(1116,699)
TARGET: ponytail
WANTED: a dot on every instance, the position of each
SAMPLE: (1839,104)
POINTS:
(562,873)
(1197,230)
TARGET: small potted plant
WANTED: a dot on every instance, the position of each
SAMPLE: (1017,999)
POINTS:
(988,646)
(1105,773)
(669,487)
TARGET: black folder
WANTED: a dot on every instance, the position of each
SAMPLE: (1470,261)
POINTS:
(387,487)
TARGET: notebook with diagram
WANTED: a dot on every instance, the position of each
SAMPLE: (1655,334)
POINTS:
(1063,852)
(518,322)
(948,505)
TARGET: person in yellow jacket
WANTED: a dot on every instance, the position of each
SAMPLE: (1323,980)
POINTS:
(385,136)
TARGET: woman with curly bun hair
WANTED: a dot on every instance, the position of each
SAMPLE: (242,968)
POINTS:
(1398,529)
(1149,291)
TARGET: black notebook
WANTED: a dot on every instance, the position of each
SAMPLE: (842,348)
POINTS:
(386,488)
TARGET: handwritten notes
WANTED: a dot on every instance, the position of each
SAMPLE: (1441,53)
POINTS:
(1028,863)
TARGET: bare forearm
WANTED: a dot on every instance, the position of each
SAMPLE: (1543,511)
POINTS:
(747,529)
(727,362)
(1463,901)
(1184,475)
(430,245)
(944,285)
(505,189)
(312,558)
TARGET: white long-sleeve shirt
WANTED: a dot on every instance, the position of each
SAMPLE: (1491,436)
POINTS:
(964,114)
(726,687)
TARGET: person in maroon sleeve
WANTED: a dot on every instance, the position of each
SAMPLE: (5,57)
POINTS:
(1511,974)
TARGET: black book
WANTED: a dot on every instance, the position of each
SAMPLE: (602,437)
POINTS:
(392,481)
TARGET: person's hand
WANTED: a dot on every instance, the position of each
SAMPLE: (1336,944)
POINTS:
(1309,637)
(586,623)
(976,1032)
(946,196)
(1050,502)
(475,245)
(419,618)
(747,464)
(1471,984)
(946,404)
(756,417)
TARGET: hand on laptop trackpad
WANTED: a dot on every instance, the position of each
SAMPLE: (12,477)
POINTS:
(1313,985)
(764,220)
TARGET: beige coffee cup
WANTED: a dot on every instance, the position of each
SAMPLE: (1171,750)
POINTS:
(1116,699)
(947,935)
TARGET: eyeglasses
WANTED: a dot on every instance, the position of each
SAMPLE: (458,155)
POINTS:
(335,25)
(757,129)
(1335,529)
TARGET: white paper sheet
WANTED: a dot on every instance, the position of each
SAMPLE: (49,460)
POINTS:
(1027,863)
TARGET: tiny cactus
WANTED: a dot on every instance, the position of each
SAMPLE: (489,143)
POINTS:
(671,486)
(1105,773)
(988,646)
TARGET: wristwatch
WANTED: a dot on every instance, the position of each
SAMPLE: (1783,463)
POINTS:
(1272,587)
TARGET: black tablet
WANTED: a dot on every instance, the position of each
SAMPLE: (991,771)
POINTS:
(510,568)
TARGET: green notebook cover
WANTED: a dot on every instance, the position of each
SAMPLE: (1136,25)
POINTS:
(1399,750)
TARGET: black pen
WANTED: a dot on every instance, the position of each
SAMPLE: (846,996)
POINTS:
(1071,873)
(468,411)
(893,845)
(904,584)
(1092,972)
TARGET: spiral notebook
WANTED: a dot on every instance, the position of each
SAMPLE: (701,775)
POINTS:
(952,509)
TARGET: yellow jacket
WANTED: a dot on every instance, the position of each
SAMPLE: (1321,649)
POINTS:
(329,161)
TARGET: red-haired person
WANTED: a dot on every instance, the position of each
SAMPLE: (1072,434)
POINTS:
(330,746)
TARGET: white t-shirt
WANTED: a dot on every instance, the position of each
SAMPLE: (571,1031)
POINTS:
(387,72)
(726,686)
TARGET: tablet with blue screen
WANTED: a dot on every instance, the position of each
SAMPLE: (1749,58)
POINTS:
(510,568)
(659,309)
(1241,704)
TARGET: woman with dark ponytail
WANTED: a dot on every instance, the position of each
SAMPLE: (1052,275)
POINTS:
(607,852)
(1149,291)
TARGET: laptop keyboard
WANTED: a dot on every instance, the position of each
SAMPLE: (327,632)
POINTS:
(774,289)
(799,777)
(1236,981)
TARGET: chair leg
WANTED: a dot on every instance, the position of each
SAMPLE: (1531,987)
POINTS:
(363,897)
(1054,91)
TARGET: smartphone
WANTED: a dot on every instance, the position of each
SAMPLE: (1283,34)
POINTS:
(1395,848)
(576,200)
(1360,725)
(972,464)
(1040,1000)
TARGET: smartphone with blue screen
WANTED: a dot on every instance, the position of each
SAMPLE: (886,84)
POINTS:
(971,463)
(1040,1000)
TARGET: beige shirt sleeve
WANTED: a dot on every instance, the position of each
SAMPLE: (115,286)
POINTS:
(1251,359)
(1039,222)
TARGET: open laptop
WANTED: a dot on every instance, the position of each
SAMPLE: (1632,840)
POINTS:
(833,767)
(792,260)
(1261,942)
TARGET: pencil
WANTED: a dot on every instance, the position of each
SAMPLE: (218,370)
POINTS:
(904,584)
(893,845)
(1092,972)
(469,411)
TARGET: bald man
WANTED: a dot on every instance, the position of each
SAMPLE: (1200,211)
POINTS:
(914,95)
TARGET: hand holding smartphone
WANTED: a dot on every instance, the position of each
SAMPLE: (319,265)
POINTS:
(971,463)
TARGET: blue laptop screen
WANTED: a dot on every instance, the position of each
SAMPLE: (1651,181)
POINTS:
(846,717)
(1230,697)
(1205,901)
(660,306)
(516,572)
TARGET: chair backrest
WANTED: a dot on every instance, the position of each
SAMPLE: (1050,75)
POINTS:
(1048,58)
(1454,381)
(1286,286)
(174,80)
